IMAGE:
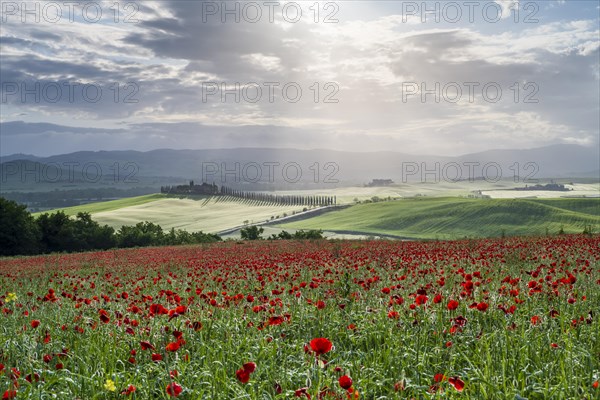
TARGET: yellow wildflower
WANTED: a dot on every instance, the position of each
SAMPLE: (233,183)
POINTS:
(110,385)
(10,297)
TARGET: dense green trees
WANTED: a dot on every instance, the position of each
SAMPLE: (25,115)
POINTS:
(149,234)
(312,234)
(255,233)
(61,233)
(21,234)
(140,235)
(251,233)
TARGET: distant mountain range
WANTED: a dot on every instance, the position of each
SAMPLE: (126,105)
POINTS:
(291,168)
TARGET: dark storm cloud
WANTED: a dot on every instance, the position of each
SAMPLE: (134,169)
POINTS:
(35,66)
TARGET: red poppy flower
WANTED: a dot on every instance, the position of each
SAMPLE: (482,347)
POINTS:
(31,378)
(482,307)
(250,367)
(196,325)
(173,346)
(302,392)
(242,375)
(156,357)
(130,389)
(146,345)
(156,309)
(345,382)
(35,323)
(457,383)
(276,320)
(452,305)
(180,310)
(9,394)
(174,389)
(104,316)
(421,299)
(321,346)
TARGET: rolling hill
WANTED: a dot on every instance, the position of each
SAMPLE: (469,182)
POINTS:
(450,218)
(418,218)
(207,214)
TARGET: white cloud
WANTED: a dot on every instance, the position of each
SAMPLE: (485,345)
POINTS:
(170,54)
(507,7)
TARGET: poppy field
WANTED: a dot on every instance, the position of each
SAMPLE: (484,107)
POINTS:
(488,319)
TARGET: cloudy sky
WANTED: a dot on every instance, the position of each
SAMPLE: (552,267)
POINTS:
(424,78)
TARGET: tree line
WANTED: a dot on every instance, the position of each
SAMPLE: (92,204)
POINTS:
(255,233)
(22,234)
(212,189)
(292,200)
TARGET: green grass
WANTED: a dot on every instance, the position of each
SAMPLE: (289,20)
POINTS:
(104,206)
(447,218)
(535,340)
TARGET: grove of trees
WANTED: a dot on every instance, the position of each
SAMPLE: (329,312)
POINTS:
(255,233)
(22,234)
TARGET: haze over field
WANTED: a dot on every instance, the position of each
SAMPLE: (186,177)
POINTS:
(270,168)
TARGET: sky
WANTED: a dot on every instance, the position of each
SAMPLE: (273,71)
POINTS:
(435,77)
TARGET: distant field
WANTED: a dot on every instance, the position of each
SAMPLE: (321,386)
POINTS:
(417,217)
(199,214)
(448,218)
(575,190)
(347,195)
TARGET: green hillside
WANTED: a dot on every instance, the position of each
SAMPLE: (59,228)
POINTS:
(448,218)
(425,217)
